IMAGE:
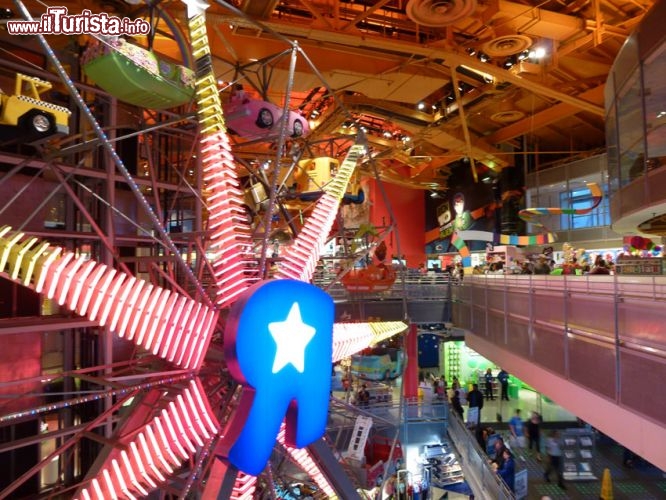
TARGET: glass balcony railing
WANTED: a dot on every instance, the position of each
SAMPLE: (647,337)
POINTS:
(605,333)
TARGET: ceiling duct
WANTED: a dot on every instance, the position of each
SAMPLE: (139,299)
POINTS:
(439,13)
(507,45)
(508,116)
(261,9)
(534,21)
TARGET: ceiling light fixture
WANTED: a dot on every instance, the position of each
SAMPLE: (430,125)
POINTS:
(421,105)
(537,53)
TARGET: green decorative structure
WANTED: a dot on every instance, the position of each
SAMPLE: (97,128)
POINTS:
(137,76)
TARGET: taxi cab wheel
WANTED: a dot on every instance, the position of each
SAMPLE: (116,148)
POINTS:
(264,118)
(37,122)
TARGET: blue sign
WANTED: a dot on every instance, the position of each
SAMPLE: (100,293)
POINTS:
(278,344)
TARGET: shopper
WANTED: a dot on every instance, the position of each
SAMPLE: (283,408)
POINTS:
(507,471)
(427,391)
(517,428)
(534,434)
(503,378)
(455,383)
(554,453)
(475,403)
(363,396)
(489,384)
(455,404)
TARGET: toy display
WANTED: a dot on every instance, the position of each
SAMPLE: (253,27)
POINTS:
(528,215)
(379,364)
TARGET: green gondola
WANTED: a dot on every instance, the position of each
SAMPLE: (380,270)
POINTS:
(137,76)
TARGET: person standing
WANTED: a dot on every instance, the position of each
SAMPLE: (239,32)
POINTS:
(534,434)
(554,452)
(503,378)
(455,404)
(489,384)
(474,400)
(363,396)
(498,448)
(517,428)
(455,384)
(427,391)
(507,471)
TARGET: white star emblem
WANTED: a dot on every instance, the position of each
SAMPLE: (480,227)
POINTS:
(195,7)
(291,336)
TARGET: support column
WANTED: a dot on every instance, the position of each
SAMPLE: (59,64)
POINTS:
(410,378)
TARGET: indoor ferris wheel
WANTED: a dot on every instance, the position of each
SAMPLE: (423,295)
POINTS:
(204,360)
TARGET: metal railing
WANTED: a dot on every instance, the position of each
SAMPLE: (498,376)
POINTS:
(482,479)
(589,329)
(409,284)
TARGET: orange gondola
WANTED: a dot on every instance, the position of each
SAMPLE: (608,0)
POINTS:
(369,279)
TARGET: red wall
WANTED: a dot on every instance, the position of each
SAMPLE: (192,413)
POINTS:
(408,207)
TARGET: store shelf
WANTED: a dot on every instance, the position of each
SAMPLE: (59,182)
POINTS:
(578,452)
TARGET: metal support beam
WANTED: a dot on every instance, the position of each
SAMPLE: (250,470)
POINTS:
(333,471)
(221,479)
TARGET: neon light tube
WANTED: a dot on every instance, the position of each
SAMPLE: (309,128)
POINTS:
(148,456)
(65,283)
(175,439)
(165,442)
(173,412)
(126,312)
(136,458)
(43,266)
(170,326)
(137,311)
(147,315)
(91,288)
(81,278)
(130,470)
(54,278)
(109,298)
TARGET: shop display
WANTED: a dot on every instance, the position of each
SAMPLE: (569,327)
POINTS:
(577,454)
(452,360)
(638,265)
(377,364)
(443,465)
(495,386)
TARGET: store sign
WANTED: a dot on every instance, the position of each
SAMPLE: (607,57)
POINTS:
(278,344)
(520,484)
